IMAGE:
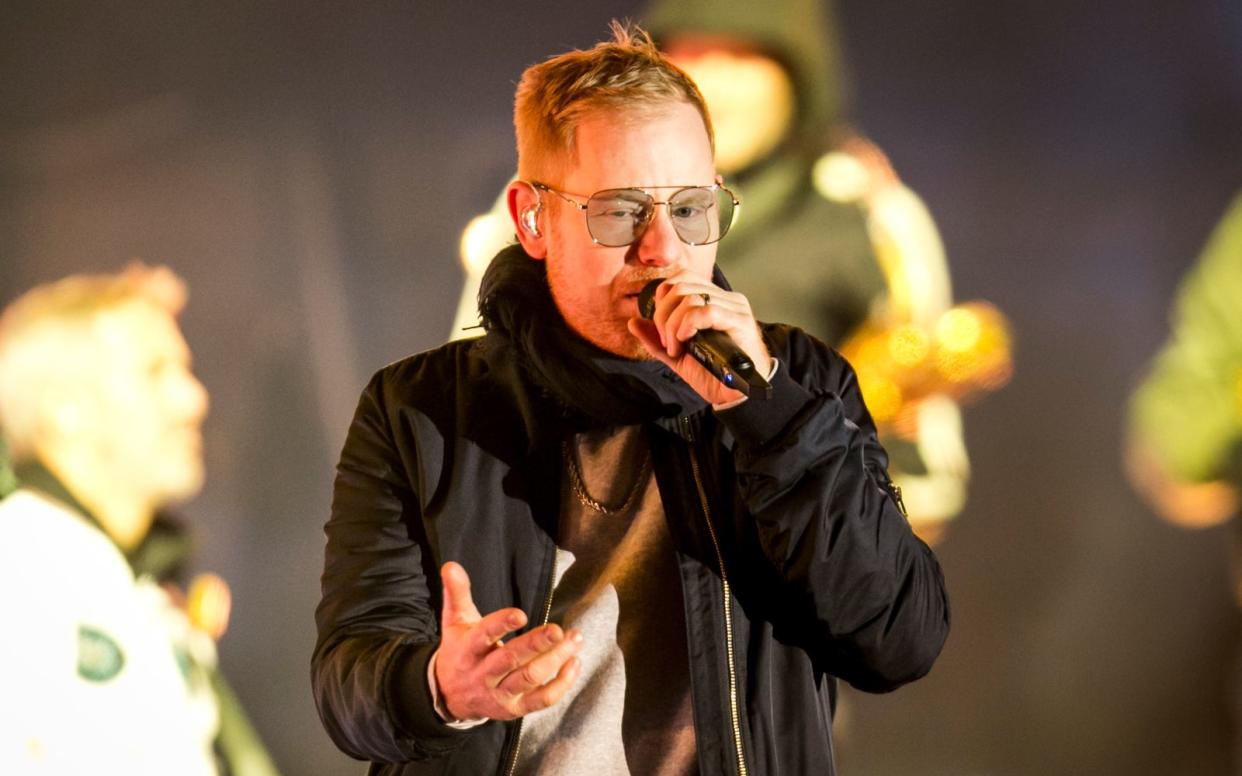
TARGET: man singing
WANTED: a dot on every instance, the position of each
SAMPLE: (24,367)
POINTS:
(566,547)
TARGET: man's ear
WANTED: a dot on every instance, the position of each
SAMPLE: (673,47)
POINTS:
(526,210)
(61,412)
(62,423)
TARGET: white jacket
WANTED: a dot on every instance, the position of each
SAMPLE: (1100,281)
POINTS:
(96,667)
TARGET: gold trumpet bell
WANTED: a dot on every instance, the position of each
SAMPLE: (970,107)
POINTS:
(965,354)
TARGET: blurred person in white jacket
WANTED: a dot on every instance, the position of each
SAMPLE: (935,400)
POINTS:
(103,667)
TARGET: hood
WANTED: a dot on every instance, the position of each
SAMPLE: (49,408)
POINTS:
(799,34)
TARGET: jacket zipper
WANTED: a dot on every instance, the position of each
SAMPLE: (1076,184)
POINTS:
(896,491)
(734,715)
(547,613)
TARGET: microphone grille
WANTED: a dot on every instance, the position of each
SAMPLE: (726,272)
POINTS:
(646,298)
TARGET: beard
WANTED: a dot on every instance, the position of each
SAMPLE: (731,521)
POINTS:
(601,328)
(592,313)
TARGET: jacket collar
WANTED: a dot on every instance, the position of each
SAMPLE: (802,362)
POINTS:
(161,553)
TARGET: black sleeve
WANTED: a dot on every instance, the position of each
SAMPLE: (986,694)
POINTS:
(376,621)
(869,596)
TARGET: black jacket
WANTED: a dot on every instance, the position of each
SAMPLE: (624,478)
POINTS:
(454,454)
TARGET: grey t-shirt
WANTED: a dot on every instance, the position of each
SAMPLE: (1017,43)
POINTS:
(617,581)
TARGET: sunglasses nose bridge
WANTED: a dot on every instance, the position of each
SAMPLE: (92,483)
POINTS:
(641,225)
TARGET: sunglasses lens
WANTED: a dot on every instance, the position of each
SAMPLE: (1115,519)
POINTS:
(617,216)
(701,215)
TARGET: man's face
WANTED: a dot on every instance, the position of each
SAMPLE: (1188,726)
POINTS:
(148,408)
(596,288)
(750,97)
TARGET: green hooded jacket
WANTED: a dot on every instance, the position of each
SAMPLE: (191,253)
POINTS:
(1188,410)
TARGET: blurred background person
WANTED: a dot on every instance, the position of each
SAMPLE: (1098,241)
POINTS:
(106,666)
(1185,426)
(1184,441)
(829,239)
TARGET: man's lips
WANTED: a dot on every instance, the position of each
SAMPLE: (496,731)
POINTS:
(635,288)
(631,291)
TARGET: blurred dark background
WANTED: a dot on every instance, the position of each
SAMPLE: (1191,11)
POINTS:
(308,168)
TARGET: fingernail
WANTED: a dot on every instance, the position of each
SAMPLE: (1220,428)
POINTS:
(515,620)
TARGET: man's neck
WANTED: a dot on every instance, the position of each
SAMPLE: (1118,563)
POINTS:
(123,515)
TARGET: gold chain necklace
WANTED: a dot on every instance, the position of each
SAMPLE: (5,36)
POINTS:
(584,498)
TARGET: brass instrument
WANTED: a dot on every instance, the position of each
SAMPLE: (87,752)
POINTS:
(964,354)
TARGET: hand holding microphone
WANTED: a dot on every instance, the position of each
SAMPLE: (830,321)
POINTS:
(693,320)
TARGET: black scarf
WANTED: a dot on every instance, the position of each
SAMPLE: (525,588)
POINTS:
(593,387)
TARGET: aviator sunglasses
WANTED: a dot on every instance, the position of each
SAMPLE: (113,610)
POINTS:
(617,217)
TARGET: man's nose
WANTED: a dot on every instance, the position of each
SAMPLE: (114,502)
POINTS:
(659,244)
(194,398)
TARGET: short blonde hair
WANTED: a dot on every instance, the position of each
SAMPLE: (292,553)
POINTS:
(45,332)
(627,73)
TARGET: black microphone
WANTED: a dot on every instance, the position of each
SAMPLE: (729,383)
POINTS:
(718,354)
